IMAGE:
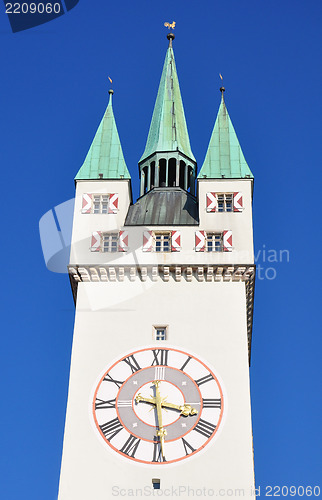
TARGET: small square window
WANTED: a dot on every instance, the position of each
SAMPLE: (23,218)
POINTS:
(100,203)
(110,242)
(225,202)
(162,242)
(156,483)
(160,332)
(214,242)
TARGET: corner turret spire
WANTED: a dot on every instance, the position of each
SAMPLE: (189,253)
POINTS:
(224,157)
(168,138)
(105,158)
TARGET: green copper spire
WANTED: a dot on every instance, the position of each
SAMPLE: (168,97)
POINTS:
(105,158)
(168,129)
(224,156)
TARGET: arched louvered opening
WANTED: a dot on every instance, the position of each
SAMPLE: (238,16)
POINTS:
(145,172)
(192,181)
(190,178)
(152,175)
(172,172)
(182,174)
(163,173)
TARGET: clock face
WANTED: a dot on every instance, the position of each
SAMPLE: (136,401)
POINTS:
(158,406)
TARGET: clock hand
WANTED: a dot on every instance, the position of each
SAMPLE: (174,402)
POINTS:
(161,433)
(139,398)
(184,409)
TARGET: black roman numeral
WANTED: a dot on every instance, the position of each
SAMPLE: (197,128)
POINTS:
(185,363)
(205,428)
(131,446)
(211,403)
(205,379)
(186,446)
(104,405)
(133,364)
(111,428)
(160,357)
(157,455)
(108,378)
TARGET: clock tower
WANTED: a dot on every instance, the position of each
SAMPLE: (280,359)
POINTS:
(159,393)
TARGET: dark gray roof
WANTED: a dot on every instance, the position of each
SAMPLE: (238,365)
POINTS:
(164,207)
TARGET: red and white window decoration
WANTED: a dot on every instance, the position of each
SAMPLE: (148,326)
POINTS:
(96,241)
(113,203)
(227,241)
(123,241)
(224,202)
(147,241)
(109,242)
(161,241)
(211,202)
(100,203)
(238,202)
(87,203)
(200,241)
(213,241)
(175,241)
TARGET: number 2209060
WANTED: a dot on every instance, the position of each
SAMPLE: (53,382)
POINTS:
(33,8)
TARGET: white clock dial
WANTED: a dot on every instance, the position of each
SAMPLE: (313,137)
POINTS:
(158,406)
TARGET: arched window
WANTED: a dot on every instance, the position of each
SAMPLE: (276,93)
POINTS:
(152,175)
(162,174)
(190,178)
(172,172)
(182,174)
(145,170)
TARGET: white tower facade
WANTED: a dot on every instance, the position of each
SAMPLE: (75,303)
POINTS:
(159,385)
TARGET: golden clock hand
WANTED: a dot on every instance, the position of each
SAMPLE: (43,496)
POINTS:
(184,409)
(161,433)
(140,398)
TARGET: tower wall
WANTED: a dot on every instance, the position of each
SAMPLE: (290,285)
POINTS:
(114,318)
(86,223)
(241,224)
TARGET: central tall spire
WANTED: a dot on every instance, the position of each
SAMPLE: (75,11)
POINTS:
(168,137)
(168,129)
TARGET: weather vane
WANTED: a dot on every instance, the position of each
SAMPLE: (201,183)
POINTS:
(111,81)
(222,88)
(170,26)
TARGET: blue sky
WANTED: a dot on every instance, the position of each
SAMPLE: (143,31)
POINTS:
(53,94)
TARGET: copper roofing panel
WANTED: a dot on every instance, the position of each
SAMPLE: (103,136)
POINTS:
(105,158)
(224,158)
(164,207)
(168,129)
